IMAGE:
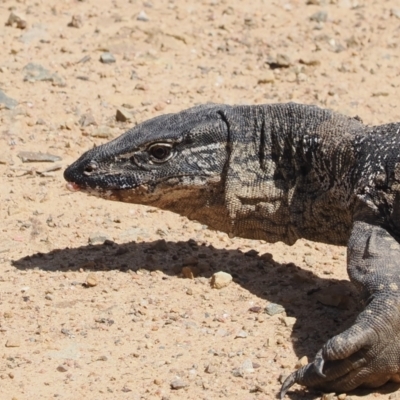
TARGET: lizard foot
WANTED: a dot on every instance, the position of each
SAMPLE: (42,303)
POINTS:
(366,354)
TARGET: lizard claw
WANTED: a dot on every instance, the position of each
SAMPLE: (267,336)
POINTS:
(319,364)
(289,382)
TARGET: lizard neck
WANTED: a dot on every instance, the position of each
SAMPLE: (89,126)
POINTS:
(289,167)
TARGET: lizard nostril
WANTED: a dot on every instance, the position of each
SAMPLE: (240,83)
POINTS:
(90,168)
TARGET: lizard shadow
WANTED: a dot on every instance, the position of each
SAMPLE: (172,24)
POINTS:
(300,292)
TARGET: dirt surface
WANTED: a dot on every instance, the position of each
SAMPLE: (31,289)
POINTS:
(93,301)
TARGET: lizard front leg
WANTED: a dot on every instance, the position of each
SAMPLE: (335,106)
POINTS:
(368,353)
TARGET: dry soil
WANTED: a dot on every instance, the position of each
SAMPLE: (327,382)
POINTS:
(94,303)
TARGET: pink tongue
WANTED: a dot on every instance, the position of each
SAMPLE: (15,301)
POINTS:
(73,187)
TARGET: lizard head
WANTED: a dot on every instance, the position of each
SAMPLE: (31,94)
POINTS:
(168,161)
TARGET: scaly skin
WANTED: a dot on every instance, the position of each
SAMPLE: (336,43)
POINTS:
(279,173)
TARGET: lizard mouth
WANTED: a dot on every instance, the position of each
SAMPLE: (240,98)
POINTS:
(73,187)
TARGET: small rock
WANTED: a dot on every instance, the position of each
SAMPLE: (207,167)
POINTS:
(310,61)
(178,384)
(210,369)
(267,257)
(289,321)
(76,21)
(266,77)
(123,115)
(160,106)
(142,16)
(13,343)
(328,396)
(220,280)
(342,396)
(310,261)
(282,377)
(18,20)
(103,131)
(36,73)
(320,16)
(107,58)
(241,335)
(190,272)
(87,119)
(62,368)
(303,361)
(272,309)
(141,86)
(35,34)
(98,238)
(30,156)
(247,366)
(280,61)
(251,253)
(160,245)
(395,12)
(7,102)
(91,280)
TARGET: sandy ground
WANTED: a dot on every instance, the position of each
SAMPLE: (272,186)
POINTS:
(93,303)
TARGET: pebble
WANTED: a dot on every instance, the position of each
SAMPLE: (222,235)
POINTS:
(141,86)
(328,396)
(301,362)
(247,366)
(342,396)
(160,245)
(62,368)
(280,61)
(220,280)
(7,102)
(35,73)
(18,20)
(211,369)
(13,343)
(177,384)
(35,34)
(160,106)
(91,280)
(142,16)
(87,119)
(266,77)
(107,58)
(310,261)
(310,61)
(30,156)
(267,257)
(289,321)
(123,115)
(76,21)
(98,238)
(190,272)
(395,12)
(320,16)
(241,335)
(272,309)
(103,131)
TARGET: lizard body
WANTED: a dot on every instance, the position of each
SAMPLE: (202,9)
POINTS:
(279,173)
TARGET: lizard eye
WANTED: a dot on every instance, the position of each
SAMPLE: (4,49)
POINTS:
(160,152)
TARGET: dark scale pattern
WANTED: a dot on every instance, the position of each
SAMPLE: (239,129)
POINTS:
(279,173)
